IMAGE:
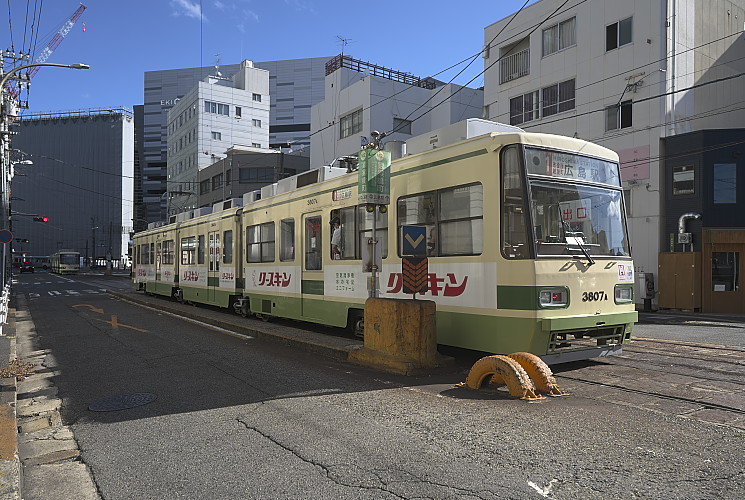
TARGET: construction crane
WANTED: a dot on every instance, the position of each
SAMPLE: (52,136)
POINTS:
(51,46)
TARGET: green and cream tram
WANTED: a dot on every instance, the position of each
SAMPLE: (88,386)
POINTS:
(526,238)
(65,262)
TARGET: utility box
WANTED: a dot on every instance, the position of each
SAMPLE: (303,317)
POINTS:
(680,280)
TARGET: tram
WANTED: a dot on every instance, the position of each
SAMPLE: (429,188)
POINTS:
(526,239)
(65,262)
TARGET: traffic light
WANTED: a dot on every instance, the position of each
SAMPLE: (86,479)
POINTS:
(39,218)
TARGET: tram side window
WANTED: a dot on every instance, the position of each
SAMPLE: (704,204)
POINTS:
(168,248)
(313,244)
(188,250)
(343,237)
(453,218)
(365,225)
(260,242)
(145,253)
(287,240)
(158,256)
(227,249)
(514,224)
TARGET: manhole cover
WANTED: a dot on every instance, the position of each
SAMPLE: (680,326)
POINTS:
(122,401)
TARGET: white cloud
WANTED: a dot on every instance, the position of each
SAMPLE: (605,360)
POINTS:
(187,8)
(219,5)
(251,15)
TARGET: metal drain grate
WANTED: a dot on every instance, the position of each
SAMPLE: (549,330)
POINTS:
(122,401)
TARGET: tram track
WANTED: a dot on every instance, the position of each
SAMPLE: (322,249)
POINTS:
(702,404)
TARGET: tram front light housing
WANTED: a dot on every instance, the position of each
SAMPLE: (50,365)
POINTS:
(624,294)
(553,297)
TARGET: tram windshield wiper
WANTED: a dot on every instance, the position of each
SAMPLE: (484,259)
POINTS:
(574,237)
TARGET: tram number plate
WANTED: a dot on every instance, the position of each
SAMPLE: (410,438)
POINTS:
(594,296)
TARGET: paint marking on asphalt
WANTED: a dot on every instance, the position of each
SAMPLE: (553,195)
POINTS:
(53,293)
(544,492)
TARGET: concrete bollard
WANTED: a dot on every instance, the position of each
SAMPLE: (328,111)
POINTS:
(400,336)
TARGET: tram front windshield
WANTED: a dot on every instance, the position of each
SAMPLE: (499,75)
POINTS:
(575,204)
(69,259)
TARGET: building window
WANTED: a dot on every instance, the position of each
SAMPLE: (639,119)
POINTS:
(217,136)
(204,187)
(256,144)
(557,98)
(683,180)
(256,123)
(350,124)
(217,181)
(402,126)
(618,34)
(238,111)
(216,108)
(254,175)
(560,36)
(256,97)
(725,183)
(725,271)
(260,243)
(524,108)
(618,116)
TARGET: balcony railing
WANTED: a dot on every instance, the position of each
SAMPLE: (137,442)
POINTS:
(514,66)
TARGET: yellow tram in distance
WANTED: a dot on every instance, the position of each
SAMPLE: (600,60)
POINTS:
(526,241)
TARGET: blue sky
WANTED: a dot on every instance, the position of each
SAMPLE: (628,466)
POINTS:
(121,39)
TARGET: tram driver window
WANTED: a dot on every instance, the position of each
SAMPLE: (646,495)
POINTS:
(514,225)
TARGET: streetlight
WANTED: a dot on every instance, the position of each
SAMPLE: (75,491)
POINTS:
(19,68)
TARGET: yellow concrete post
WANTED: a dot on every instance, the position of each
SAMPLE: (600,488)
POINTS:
(400,336)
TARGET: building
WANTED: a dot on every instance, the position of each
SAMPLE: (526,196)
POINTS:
(647,79)
(217,113)
(362,97)
(81,179)
(244,170)
(294,86)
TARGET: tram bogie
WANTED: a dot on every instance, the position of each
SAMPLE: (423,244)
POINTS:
(526,244)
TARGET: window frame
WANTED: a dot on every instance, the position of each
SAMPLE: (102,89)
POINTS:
(681,169)
(266,241)
(556,33)
(350,124)
(614,31)
(436,220)
(621,114)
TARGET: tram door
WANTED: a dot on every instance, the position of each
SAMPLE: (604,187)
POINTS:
(213,277)
(158,252)
(312,266)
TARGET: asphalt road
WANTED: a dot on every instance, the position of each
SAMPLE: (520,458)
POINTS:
(243,418)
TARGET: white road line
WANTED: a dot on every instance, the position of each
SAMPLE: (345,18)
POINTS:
(54,292)
(72,292)
(33,295)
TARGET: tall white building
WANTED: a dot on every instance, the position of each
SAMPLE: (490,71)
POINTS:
(217,114)
(361,97)
(630,76)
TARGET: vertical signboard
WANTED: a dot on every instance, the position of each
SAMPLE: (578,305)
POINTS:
(374,177)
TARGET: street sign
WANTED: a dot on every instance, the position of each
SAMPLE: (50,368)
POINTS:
(374,177)
(415,271)
(5,236)
(415,240)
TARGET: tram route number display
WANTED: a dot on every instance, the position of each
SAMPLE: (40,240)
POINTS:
(594,296)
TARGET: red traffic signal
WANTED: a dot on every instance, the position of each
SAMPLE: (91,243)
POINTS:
(39,218)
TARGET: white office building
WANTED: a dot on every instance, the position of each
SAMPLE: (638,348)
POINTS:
(629,76)
(215,115)
(362,97)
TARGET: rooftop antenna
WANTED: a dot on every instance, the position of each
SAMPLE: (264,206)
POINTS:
(343,42)
(217,65)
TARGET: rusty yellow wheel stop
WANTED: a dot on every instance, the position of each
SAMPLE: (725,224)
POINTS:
(539,373)
(502,370)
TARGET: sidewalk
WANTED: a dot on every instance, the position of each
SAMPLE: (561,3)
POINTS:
(681,317)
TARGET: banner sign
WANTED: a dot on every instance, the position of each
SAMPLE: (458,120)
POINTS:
(374,177)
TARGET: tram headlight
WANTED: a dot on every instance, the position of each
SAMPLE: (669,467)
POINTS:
(553,297)
(624,294)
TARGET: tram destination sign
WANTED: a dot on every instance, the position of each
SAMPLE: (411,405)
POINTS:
(374,177)
(572,166)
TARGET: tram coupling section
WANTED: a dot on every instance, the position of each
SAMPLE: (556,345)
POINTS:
(525,375)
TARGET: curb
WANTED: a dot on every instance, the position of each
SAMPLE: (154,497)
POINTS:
(10,464)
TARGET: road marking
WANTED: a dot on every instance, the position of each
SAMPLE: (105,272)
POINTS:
(544,492)
(89,291)
(115,324)
(33,295)
(91,307)
(72,292)
(54,292)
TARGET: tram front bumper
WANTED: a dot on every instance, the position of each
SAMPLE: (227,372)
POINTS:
(581,337)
